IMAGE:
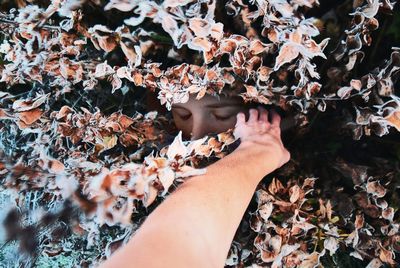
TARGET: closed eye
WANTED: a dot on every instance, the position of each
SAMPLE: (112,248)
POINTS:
(222,118)
(185,117)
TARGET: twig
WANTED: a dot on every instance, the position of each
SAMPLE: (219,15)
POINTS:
(16,24)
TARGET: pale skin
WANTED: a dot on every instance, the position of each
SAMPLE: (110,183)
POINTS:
(195,225)
(197,118)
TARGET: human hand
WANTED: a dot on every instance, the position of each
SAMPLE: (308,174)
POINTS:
(261,137)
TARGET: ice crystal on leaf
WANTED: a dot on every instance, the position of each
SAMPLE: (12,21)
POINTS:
(85,160)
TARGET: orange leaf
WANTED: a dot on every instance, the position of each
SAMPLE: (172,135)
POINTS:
(31,116)
(394,119)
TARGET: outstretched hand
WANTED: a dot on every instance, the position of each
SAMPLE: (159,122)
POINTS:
(259,134)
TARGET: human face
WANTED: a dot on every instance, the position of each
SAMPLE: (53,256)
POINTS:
(210,114)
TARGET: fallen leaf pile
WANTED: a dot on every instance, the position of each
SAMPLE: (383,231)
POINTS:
(84,160)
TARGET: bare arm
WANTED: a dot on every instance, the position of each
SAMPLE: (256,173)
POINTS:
(195,225)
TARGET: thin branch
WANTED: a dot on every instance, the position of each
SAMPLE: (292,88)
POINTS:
(16,24)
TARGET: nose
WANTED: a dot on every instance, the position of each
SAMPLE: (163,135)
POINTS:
(200,127)
(199,132)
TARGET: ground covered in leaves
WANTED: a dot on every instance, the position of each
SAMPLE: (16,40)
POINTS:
(84,158)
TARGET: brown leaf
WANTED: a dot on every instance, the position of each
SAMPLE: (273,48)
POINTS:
(257,47)
(4,114)
(200,27)
(265,210)
(275,186)
(71,70)
(287,53)
(103,38)
(27,104)
(272,248)
(388,214)
(109,142)
(55,166)
(252,94)
(376,189)
(386,256)
(359,222)
(294,193)
(31,116)
(63,112)
(394,119)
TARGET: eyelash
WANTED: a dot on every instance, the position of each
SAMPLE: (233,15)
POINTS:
(185,117)
(220,118)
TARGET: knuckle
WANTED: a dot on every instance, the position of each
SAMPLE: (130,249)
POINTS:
(287,154)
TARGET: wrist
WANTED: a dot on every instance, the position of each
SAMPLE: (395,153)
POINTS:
(259,157)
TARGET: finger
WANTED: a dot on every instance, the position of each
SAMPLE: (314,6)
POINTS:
(264,127)
(237,133)
(240,119)
(253,116)
(275,119)
(263,114)
(276,130)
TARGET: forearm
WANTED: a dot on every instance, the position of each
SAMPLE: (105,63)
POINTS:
(200,218)
(215,204)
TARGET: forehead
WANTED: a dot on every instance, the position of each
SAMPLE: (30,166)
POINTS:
(210,101)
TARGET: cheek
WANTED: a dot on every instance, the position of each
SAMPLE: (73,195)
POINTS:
(184,126)
(221,126)
(231,122)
